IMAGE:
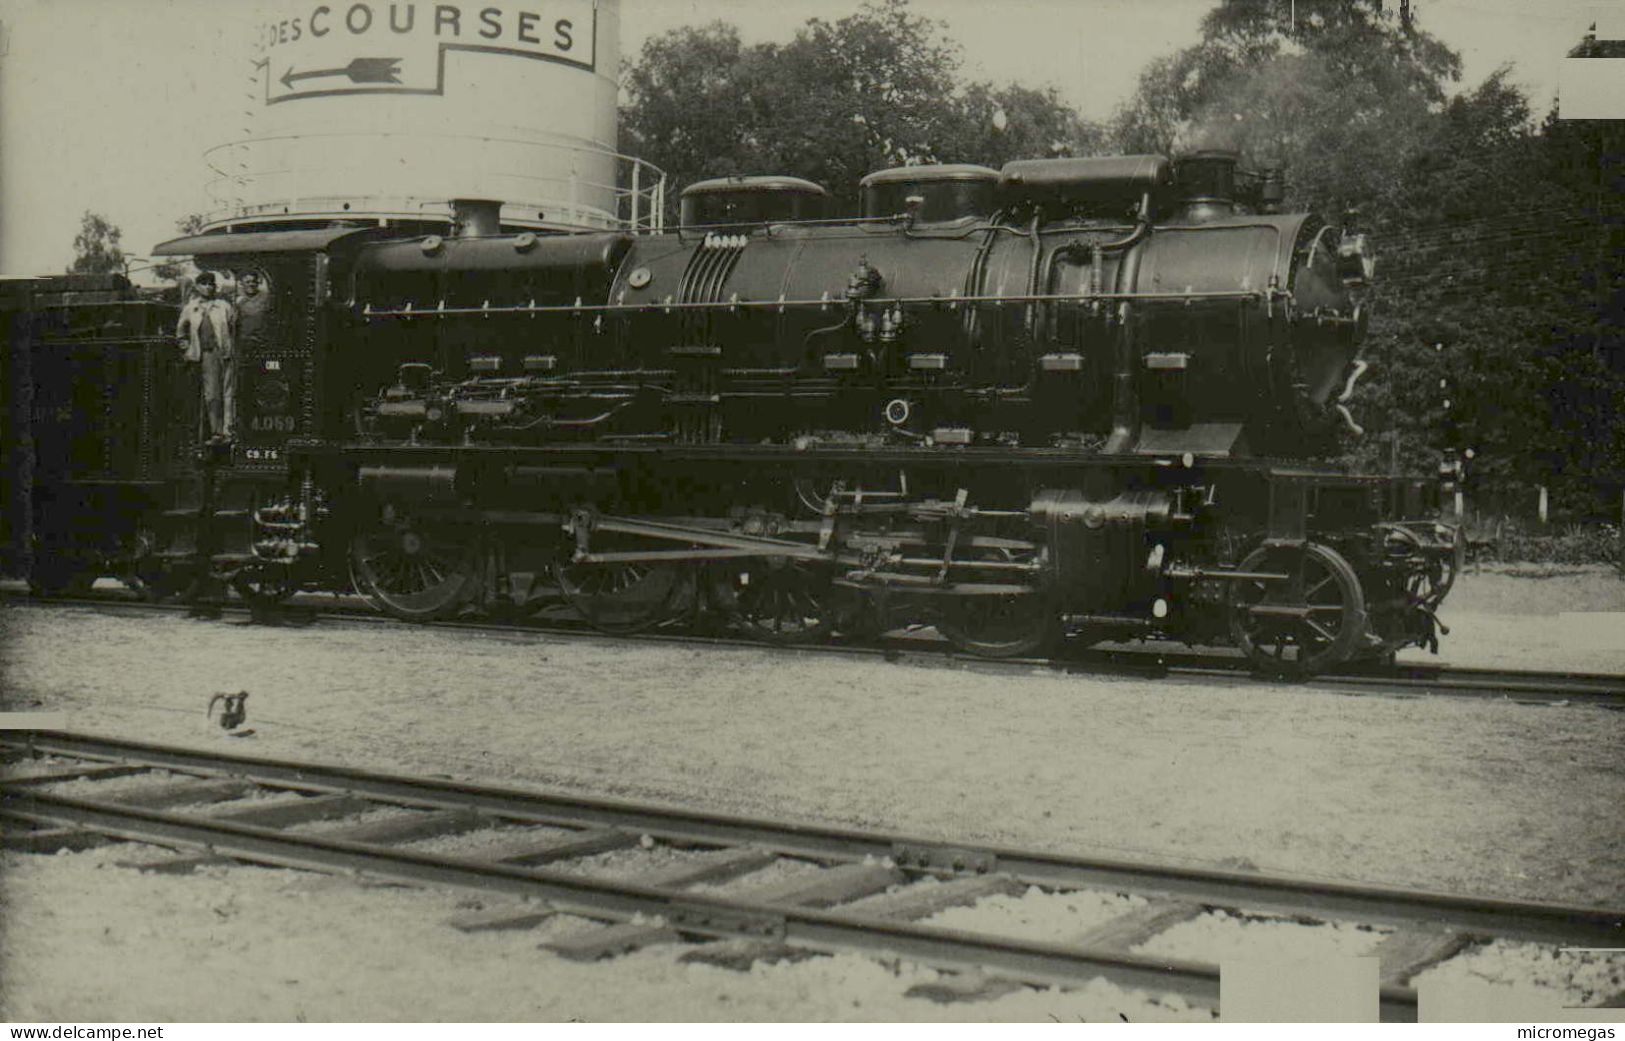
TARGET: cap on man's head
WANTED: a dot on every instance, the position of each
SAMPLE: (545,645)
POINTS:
(206,279)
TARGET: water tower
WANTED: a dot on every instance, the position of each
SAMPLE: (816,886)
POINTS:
(382,111)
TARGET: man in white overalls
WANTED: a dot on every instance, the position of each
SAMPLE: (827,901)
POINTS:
(207,331)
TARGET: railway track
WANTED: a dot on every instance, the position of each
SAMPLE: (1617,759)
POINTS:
(851,891)
(1604,690)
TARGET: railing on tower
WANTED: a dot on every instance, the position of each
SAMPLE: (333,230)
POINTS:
(414,175)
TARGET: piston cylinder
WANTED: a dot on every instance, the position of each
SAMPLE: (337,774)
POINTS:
(1098,546)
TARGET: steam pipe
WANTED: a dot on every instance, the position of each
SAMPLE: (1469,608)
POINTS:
(1125,397)
(1097,251)
(717,276)
(973,280)
(550,423)
(1032,272)
(687,278)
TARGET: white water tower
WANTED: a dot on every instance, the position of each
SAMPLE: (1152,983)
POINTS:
(385,110)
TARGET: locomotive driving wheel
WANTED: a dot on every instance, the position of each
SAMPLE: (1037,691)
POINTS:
(1011,626)
(624,597)
(1290,630)
(777,600)
(1003,625)
(413,572)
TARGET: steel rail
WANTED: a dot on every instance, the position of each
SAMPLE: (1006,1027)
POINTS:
(1554,687)
(1535,921)
(697,913)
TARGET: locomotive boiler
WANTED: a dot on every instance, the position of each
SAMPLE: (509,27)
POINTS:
(1073,397)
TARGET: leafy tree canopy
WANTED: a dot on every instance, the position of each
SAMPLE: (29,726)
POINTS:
(876,89)
(96,248)
(1340,91)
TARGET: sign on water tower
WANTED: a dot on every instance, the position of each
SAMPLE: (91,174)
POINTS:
(371,110)
(402,48)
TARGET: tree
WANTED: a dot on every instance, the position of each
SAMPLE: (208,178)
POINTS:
(993,125)
(96,248)
(1338,90)
(684,97)
(876,89)
(1505,262)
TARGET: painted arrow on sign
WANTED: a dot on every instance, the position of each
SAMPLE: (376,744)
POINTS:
(360,70)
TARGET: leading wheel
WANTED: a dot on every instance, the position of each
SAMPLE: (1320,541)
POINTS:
(777,600)
(413,572)
(1430,580)
(1292,630)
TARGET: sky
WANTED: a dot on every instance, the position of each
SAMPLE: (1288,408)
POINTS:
(108,105)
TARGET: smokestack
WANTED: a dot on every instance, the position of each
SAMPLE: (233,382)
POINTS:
(475,218)
(1207,185)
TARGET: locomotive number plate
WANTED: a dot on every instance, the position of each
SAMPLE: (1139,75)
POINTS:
(272,424)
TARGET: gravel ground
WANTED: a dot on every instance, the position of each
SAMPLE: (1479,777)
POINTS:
(1466,796)
(1535,975)
(1535,617)
(252,944)
(1045,917)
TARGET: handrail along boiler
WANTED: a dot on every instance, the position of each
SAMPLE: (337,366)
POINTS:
(1072,396)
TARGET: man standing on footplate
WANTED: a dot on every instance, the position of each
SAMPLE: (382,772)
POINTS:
(207,330)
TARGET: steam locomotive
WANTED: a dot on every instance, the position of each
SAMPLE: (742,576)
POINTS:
(1074,397)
